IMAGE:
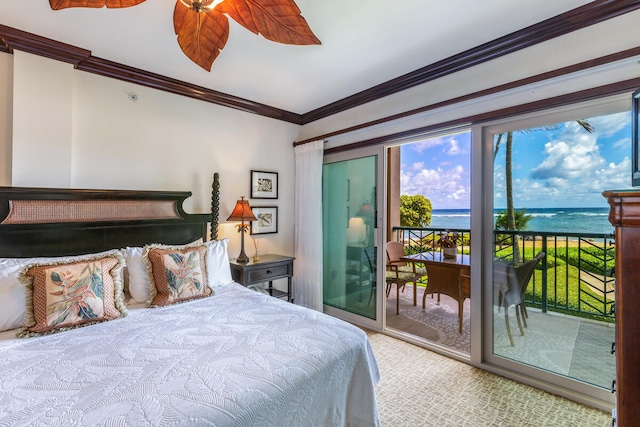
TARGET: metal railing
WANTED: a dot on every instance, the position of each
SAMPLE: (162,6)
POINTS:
(577,275)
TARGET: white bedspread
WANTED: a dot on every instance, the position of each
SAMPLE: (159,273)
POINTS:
(239,358)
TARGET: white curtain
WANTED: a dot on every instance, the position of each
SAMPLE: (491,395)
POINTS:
(307,277)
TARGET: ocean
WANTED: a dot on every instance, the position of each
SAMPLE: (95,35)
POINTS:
(567,220)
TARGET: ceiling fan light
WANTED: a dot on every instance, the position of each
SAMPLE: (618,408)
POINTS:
(201,5)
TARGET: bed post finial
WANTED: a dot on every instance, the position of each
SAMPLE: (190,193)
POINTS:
(215,206)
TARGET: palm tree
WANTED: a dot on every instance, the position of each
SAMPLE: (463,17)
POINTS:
(511,216)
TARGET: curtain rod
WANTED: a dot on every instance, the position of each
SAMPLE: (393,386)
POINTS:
(582,66)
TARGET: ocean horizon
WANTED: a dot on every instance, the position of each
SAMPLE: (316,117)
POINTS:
(567,220)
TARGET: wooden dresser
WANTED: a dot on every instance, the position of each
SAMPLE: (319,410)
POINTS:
(625,217)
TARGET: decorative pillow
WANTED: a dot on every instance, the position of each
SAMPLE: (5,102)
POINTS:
(136,279)
(218,269)
(12,292)
(176,273)
(71,293)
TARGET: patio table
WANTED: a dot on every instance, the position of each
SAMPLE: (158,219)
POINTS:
(444,276)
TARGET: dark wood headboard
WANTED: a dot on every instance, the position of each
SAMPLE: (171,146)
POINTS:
(36,222)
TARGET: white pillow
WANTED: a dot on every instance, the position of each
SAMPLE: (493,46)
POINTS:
(218,269)
(138,281)
(12,294)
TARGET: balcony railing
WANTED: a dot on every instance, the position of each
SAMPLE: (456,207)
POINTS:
(577,275)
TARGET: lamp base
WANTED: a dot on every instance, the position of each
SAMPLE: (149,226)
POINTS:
(242,258)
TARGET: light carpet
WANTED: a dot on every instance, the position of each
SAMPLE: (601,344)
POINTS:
(421,388)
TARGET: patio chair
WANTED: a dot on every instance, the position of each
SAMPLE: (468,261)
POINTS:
(512,284)
(395,251)
(524,276)
(448,279)
(465,292)
(400,278)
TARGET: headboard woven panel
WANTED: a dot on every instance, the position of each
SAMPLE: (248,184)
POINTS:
(36,222)
(48,211)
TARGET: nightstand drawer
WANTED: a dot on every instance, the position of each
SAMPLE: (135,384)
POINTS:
(267,269)
(268,273)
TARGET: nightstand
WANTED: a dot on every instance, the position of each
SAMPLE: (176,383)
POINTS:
(267,269)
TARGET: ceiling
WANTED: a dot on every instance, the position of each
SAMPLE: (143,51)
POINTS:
(364,43)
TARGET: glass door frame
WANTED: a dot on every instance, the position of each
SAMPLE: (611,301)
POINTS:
(379,236)
(482,203)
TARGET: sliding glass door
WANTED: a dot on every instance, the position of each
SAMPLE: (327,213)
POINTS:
(350,236)
(550,250)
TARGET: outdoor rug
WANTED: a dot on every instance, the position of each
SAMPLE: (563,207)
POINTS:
(438,323)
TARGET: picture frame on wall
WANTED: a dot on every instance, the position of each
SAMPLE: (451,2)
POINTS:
(264,185)
(635,142)
(267,222)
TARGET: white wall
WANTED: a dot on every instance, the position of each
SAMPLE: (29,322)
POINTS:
(168,142)
(6,117)
(42,91)
(160,142)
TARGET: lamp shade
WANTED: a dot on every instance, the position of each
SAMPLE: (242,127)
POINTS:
(365,210)
(242,212)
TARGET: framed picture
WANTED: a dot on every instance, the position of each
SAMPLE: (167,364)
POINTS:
(635,142)
(264,185)
(267,222)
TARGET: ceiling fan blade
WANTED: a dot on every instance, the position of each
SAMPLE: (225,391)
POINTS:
(277,20)
(201,35)
(112,4)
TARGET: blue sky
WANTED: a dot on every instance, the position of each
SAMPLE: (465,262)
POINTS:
(564,166)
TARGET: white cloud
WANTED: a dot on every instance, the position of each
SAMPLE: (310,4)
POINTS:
(449,144)
(454,148)
(572,156)
(427,144)
(574,170)
(622,143)
(607,125)
(445,187)
(559,191)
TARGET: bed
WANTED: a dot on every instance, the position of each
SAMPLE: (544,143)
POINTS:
(235,357)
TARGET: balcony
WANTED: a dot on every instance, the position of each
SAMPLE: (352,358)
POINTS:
(570,301)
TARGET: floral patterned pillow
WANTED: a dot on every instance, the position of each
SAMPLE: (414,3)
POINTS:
(71,293)
(176,273)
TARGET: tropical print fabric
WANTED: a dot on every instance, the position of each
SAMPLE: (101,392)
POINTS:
(72,293)
(183,274)
(176,274)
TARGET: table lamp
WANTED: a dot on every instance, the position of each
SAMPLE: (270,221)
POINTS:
(242,212)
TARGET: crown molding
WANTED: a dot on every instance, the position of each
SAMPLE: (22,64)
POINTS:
(576,19)
(564,72)
(12,39)
(573,20)
(118,71)
(626,86)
